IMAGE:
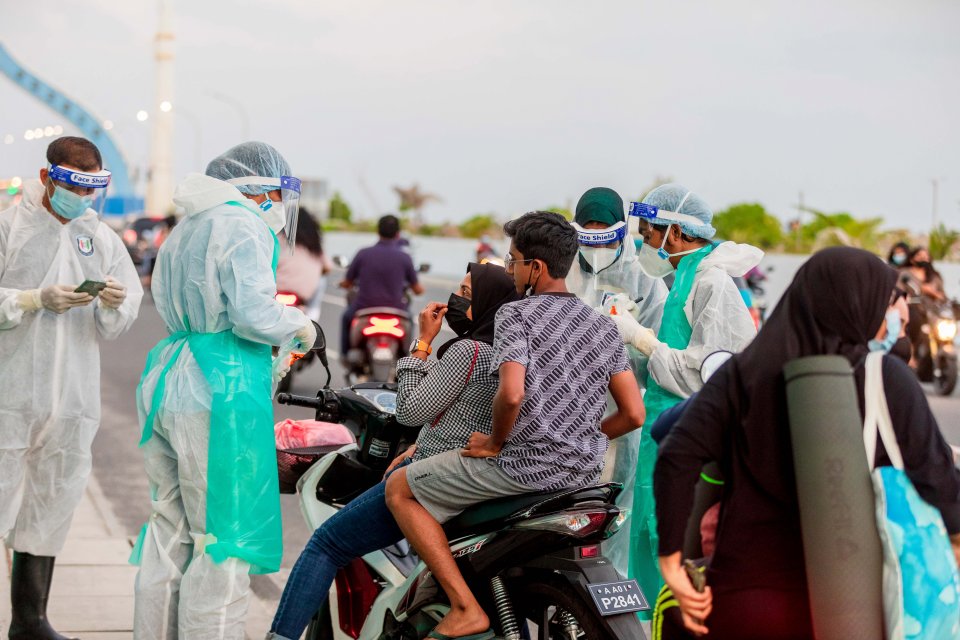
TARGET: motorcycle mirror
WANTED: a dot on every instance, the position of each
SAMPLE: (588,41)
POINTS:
(341,261)
(713,362)
(424,267)
(320,348)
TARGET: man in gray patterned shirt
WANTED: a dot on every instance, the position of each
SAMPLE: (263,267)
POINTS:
(556,358)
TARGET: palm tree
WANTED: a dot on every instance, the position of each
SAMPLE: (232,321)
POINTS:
(412,199)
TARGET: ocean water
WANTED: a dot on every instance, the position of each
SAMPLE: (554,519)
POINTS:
(448,258)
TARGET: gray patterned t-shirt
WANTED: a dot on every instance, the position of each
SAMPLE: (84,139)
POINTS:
(570,352)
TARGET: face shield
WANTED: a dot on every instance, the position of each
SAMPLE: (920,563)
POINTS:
(77,191)
(289,204)
(605,264)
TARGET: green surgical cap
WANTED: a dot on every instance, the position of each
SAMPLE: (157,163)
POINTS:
(599,205)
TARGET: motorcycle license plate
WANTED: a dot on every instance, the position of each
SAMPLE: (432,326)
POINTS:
(612,598)
(382,354)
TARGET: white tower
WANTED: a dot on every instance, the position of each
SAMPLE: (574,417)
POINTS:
(160,179)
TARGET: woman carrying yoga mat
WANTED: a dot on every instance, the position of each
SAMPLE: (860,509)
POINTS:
(757,580)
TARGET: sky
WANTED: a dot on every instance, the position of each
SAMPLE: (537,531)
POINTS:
(506,106)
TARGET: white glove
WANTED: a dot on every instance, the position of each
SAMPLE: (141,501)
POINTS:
(634,333)
(281,365)
(304,338)
(56,298)
(29,301)
(114,295)
(623,304)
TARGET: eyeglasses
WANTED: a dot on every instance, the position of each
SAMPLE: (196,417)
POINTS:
(509,261)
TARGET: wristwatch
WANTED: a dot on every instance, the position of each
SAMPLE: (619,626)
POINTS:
(420,345)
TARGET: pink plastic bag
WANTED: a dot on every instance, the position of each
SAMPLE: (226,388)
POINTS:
(297,434)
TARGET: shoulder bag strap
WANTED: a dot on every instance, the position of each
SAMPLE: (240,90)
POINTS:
(877,420)
(473,364)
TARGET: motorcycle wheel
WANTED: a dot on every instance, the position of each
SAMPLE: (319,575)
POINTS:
(543,603)
(946,382)
(320,627)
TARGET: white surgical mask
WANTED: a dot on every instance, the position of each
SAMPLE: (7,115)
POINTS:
(599,258)
(656,262)
(272,213)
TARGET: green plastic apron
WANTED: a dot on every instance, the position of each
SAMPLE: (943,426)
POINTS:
(675,332)
(243,494)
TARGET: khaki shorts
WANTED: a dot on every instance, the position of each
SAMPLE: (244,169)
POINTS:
(447,483)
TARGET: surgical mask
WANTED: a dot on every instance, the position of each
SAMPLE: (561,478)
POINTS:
(656,262)
(600,258)
(69,205)
(899,259)
(530,288)
(457,307)
(273,214)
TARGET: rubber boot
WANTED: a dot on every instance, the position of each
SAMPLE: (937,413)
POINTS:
(29,591)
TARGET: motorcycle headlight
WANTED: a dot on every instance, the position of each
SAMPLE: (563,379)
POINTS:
(946,329)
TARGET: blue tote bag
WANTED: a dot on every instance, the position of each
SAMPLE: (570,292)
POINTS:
(921,585)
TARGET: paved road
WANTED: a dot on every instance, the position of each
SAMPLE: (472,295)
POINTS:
(118,464)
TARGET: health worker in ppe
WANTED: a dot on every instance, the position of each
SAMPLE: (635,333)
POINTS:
(50,243)
(205,399)
(704,313)
(609,278)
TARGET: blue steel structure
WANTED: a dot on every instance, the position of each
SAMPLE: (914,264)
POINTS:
(122,199)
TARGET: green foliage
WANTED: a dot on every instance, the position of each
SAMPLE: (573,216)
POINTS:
(942,242)
(339,209)
(478,225)
(840,229)
(749,223)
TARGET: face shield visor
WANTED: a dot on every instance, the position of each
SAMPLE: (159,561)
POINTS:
(605,264)
(289,187)
(601,248)
(75,191)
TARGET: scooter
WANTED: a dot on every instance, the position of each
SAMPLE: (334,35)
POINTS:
(534,561)
(378,338)
(934,351)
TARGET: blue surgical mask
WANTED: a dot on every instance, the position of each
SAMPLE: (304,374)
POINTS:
(69,205)
(894,325)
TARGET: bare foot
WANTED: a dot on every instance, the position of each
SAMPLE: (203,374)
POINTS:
(464,622)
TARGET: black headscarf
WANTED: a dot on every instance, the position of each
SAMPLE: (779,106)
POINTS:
(491,289)
(834,306)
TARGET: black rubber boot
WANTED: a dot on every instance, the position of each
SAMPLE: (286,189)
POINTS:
(29,591)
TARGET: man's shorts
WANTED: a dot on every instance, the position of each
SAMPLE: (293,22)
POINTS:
(447,483)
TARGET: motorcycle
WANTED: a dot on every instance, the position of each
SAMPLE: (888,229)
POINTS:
(933,350)
(297,362)
(534,561)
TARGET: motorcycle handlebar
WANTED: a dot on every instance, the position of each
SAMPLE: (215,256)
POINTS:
(300,401)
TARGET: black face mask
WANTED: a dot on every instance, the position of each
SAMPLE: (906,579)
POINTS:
(456,316)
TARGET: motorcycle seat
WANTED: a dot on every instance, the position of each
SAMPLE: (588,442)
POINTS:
(490,515)
(371,311)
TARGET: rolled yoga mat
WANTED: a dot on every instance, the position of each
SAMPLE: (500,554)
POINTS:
(841,544)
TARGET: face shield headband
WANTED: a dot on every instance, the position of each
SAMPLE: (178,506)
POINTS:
(289,187)
(660,217)
(600,237)
(98,180)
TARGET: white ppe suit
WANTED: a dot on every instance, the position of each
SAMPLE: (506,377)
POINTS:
(717,315)
(50,366)
(214,274)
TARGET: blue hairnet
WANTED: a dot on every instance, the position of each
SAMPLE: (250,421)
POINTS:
(670,196)
(249,159)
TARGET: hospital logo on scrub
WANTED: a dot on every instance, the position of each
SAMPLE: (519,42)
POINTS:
(85,245)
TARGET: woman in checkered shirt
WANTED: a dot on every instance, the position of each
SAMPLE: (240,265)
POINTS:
(450,396)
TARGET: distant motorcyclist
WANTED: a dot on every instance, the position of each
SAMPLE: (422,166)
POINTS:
(381,274)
